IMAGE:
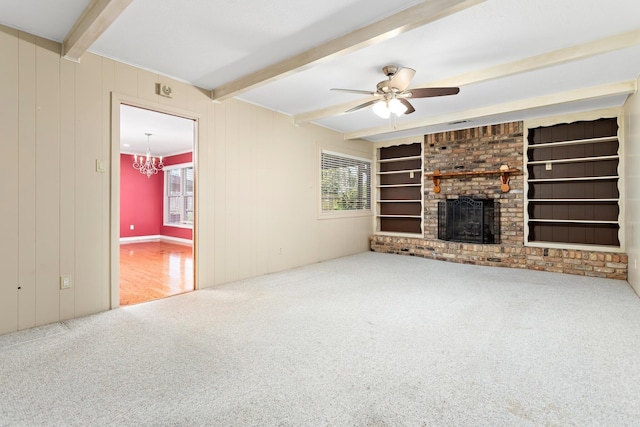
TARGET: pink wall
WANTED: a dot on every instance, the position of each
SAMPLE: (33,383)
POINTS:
(141,200)
(178,158)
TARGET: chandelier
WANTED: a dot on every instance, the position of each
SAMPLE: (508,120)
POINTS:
(147,165)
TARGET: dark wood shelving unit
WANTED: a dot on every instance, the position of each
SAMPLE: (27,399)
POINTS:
(399,189)
(572,185)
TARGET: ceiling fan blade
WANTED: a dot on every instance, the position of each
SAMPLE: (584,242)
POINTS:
(362,92)
(428,92)
(402,78)
(361,106)
(407,104)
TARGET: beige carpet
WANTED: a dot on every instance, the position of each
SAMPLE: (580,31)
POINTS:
(367,340)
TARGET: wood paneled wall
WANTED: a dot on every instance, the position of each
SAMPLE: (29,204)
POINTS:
(256,191)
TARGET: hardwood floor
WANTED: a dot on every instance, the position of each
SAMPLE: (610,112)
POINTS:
(153,270)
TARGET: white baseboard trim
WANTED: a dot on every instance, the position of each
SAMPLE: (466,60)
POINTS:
(155,238)
(140,239)
(177,240)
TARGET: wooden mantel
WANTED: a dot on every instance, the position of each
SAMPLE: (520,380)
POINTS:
(504,173)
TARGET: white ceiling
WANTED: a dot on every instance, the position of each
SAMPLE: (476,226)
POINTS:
(170,135)
(210,43)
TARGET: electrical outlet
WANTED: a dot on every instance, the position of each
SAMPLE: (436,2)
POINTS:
(65,281)
(131,227)
(547,166)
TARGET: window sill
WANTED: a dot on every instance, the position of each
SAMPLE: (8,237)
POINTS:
(344,214)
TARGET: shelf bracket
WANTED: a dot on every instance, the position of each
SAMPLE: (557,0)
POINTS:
(436,181)
(504,178)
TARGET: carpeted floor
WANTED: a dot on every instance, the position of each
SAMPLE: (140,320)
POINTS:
(367,340)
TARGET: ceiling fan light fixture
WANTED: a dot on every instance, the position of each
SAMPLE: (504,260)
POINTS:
(397,107)
(394,91)
(381,109)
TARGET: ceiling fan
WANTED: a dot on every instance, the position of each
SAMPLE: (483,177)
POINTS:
(393,93)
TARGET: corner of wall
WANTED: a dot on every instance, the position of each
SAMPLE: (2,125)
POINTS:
(631,135)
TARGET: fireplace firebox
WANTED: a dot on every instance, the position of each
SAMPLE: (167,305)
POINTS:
(469,220)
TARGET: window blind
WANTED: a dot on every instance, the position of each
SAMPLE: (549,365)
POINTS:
(346,183)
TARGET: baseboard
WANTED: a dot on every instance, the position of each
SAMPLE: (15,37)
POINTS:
(177,240)
(155,238)
(140,239)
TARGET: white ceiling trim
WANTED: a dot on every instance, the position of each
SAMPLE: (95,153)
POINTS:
(545,60)
(95,19)
(334,110)
(522,105)
(548,59)
(385,29)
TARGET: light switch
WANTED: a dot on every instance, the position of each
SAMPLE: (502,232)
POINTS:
(65,281)
(99,165)
(547,166)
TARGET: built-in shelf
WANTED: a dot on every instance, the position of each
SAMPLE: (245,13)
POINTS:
(400,171)
(574,160)
(582,178)
(504,173)
(574,142)
(399,159)
(573,200)
(573,221)
(398,185)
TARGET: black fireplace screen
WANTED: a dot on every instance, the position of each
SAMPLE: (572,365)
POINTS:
(469,220)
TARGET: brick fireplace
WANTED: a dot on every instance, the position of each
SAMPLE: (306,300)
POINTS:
(489,148)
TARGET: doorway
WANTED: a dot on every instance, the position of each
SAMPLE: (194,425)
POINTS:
(157,195)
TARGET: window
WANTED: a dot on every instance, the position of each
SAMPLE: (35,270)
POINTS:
(178,191)
(346,183)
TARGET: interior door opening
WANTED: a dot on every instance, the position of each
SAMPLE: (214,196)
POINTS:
(157,194)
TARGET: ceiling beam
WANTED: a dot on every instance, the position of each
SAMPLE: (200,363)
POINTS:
(385,29)
(95,19)
(521,105)
(556,57)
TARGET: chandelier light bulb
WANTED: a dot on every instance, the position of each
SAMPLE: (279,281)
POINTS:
(381,109)
(397,107)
